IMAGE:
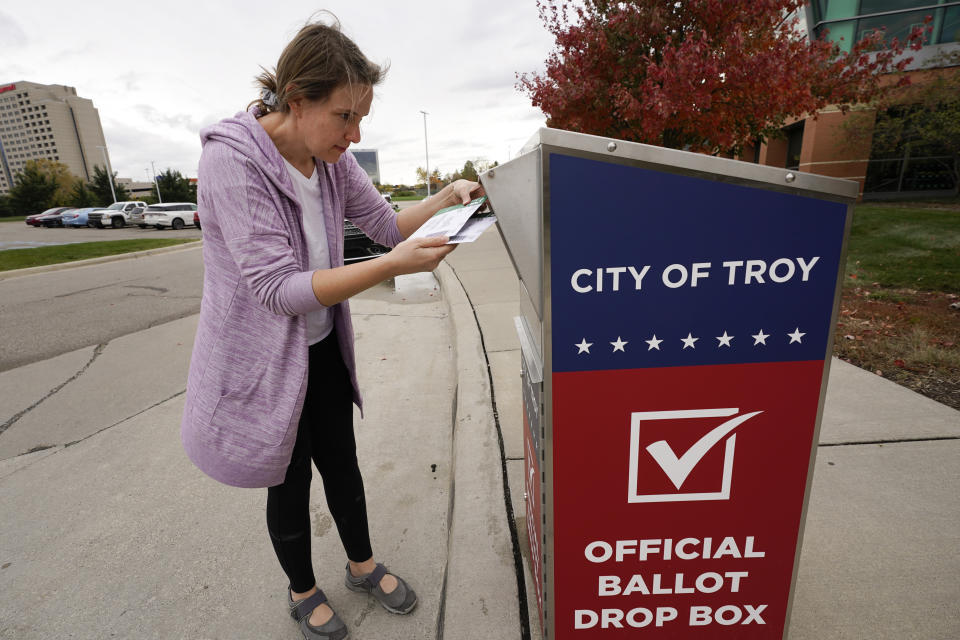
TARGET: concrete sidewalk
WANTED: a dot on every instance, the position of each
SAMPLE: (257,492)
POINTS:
(109,531)
(880,553)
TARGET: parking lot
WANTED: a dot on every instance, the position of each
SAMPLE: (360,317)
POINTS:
(18,235)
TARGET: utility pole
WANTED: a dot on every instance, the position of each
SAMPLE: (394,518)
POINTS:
(426,149)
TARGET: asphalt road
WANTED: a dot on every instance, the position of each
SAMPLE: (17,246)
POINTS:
(46,314)
(19,235)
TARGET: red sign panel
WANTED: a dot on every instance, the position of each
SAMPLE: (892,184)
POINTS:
(7,87)
(678,494)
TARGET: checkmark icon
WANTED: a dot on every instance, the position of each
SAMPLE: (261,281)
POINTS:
(678,469)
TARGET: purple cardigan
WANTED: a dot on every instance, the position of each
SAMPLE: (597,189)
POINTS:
(248,372)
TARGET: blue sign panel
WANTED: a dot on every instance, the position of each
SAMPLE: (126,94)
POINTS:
(651,269)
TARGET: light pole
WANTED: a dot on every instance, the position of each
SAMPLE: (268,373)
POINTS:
(426,148)
(106,161)
(155,183)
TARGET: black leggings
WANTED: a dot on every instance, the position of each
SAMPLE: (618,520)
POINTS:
(325,435)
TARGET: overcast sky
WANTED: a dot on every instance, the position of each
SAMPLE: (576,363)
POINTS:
(159,72)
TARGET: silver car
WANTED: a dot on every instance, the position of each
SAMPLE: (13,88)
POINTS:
(175,215)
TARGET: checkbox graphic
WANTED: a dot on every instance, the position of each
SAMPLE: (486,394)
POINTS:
(653,457)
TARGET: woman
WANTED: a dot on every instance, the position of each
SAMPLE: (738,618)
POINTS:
(272,378)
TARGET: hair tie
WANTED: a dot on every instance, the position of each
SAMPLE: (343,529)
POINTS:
(268,98)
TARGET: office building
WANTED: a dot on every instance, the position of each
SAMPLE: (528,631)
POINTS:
(818,145)
(47,121)
(138,189)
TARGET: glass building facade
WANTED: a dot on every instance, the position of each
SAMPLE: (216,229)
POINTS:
(848,21)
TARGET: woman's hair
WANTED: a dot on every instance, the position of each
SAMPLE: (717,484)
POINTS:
(318,60)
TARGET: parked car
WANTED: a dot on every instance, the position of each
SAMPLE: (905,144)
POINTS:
(34,220)
(116,215)
(389,198)
(196,219)
(170,214)
(135,217)
(53,219)
(76,217)
(358,246)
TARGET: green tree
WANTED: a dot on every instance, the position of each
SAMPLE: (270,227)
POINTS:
(469,171)
(6,207)
(33,190)
(924,115)
(175,188)
(421,176)
(81,195)
(100,185)
(918,120)
(436,180)
(60,174)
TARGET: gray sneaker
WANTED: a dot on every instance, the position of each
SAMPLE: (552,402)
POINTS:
(401,600)
(332,629)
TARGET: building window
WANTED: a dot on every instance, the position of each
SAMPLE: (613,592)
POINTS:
(896,25)
(794,145)
(882,6)
(950,32)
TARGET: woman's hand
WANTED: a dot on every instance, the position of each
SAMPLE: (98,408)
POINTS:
(464,191)
(418,254)
(460,192)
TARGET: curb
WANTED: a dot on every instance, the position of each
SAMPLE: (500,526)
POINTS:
(480,575)
(16,273)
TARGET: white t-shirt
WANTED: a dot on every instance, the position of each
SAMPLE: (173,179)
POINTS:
(319,323)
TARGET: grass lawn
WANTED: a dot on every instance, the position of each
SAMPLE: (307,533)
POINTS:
(900,307)
(406,198)
(896,246)
(14,219)
(39,256)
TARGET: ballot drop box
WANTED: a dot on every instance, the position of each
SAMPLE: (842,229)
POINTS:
(676,319)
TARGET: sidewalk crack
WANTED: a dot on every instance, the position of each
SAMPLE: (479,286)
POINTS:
(16,417)
(121,421)
(400,315)
(887,441)
(441,609)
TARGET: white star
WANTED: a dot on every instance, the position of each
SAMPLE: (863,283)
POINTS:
(584,346)
(654,343)
(796,335)
(688,341)
(724,340)
(618,345)
(760,338)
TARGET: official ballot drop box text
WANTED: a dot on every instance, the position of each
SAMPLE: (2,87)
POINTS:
(676,322)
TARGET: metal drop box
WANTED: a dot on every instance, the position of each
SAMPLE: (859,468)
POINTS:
(676,322)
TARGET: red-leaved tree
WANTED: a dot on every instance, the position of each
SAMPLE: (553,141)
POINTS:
(706,75)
